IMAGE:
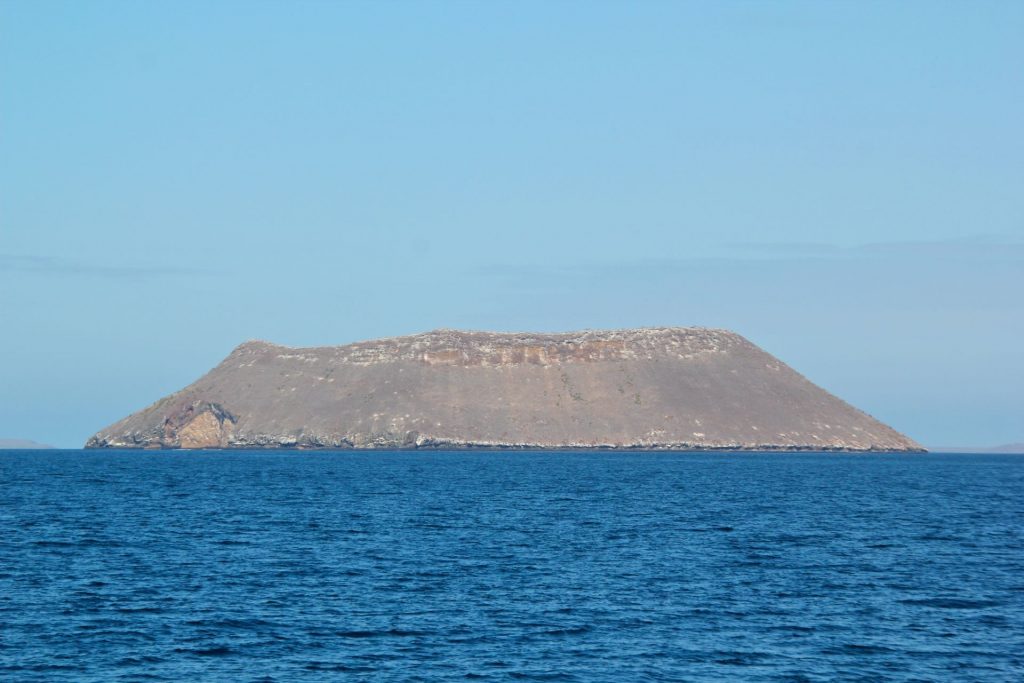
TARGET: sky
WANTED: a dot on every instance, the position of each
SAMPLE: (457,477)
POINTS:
(840,182)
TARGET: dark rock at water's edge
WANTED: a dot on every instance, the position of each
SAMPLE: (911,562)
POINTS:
(650,389)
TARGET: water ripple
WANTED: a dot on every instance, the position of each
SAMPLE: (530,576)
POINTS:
(406,566)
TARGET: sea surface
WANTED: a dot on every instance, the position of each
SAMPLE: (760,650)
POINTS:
(502,566)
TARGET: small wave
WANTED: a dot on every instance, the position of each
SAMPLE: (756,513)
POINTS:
(140,610)
(571,631)
(46,543)
(215,651)
(740,658)
(792,628)
(140,660)
(799,540)
(240,624)
(473,640)
(856,649)
(393,633)
(48,666)
(951,603)
(544,676)
(337,667)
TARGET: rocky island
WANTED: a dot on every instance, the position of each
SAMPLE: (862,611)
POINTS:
(652,388)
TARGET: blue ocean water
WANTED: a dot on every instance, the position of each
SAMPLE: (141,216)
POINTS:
(443,566)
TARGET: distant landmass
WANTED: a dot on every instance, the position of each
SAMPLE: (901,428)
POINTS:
(1005,448)
(652,388)
(21,445)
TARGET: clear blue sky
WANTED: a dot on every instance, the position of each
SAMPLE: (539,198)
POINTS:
(841,182)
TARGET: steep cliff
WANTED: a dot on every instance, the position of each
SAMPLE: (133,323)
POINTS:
(658,388)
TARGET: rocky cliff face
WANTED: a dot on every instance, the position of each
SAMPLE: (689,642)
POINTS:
(662,388)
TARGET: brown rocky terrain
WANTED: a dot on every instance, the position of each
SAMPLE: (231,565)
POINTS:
(658,388)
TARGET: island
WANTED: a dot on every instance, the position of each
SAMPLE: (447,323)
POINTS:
(648,388)
(23,445)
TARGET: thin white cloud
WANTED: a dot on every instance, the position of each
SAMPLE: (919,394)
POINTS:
(34,264)
(997,247)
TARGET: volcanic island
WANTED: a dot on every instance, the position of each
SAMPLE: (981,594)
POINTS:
(648,389)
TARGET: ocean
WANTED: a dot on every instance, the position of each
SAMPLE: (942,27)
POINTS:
(574,566)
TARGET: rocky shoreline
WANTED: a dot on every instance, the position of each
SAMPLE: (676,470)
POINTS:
(313,444)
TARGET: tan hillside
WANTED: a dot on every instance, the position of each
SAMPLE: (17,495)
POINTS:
(659,388)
